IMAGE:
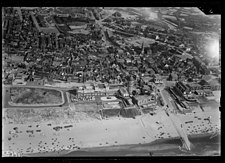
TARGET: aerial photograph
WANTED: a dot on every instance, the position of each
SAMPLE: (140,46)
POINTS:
(110,81)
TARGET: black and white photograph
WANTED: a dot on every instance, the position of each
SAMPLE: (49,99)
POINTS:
(111,82)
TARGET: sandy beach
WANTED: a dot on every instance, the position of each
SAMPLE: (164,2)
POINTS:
(97,133)
(160,147)
(56,139)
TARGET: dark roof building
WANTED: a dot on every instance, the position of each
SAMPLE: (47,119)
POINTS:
(182,87)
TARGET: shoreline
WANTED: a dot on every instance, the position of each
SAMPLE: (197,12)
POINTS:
(146,131)
(159,142)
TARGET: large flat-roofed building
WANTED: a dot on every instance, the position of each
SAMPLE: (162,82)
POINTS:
(19,12)
(46,29)
(194,86)
(86,96)
(17,58)
(113,88)
(111,106)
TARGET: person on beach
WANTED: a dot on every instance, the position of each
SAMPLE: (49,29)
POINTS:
(150,153)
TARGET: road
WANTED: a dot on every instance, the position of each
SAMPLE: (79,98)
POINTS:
(167,100)
(166,97)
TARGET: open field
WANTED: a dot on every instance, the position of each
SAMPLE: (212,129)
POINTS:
(34,96)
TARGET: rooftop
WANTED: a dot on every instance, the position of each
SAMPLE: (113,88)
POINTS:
(203,82)
(214,82)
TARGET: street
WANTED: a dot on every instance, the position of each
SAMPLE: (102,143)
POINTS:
(166,98)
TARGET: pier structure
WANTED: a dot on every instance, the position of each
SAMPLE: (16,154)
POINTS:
(180,130)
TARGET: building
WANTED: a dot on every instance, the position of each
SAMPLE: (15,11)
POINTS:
(207,77)
(183,88)
(173,77)
(196,79)
(49,30)
(113,88)
(188,28)
(198,92)
(86,95)
(109,33)
(208,93)
(132,69)
(74,27)
(17,59)
(43,29)
(215,85)
(73,79)
(158,79)
(194,86)
(146,101)
(19,80)
(205,85)
(111,106)
(19,12)
(36,82)
(124,92)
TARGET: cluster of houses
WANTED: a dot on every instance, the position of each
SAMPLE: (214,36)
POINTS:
(203,88)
